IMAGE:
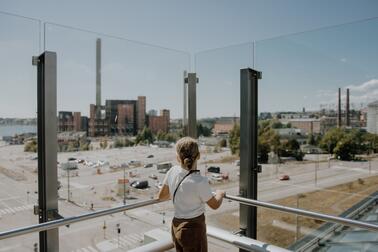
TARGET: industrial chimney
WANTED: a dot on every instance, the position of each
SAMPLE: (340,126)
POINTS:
(98,78)
(339,110)
(347,112)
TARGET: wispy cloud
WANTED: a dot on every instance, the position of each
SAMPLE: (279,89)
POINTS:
(365,87)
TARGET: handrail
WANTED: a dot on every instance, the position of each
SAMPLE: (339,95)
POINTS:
(306,213)
(69,220)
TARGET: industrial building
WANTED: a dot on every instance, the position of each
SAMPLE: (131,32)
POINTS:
(372,117)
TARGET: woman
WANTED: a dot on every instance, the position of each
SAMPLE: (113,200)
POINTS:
(189,192)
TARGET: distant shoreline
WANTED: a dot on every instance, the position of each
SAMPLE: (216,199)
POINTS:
(11,130)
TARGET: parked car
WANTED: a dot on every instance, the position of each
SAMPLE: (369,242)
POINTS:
(140,184)
(148,165)
(216,177)
(153,176)
(71,159)
(237,162)
(164,166)
(284,177)
(150,156)
(214,169)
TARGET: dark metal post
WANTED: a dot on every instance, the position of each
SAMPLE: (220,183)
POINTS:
(192,105)
(47,149)
(248,148)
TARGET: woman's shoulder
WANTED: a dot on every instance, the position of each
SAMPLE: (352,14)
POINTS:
(200,178)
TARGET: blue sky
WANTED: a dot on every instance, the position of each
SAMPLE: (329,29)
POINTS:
(300,70)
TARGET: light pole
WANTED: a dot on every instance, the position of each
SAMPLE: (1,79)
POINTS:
(118,232)
(27,197)
(316,169)
(124,185)
(297,229)
(330,155)
(68,185)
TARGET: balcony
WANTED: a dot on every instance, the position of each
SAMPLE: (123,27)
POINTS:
(313,190)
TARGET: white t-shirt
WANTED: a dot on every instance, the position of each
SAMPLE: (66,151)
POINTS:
(192,194)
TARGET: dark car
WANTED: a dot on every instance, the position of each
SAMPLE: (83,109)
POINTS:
(150,156)
(71,159)
(140,184)
(214,169)
(148,165)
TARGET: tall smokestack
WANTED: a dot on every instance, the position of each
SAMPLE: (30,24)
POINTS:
(339,110)
(347,109)
(98,78)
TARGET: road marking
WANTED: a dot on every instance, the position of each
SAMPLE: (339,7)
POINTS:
(13,210)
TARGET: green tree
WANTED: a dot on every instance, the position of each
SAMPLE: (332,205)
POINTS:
(222,143)
(311,139)
(31,146)
(203,130)
(346,148)
(145,136)
(331,138)
(277,125)
(234,139)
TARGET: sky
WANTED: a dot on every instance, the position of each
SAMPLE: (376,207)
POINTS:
(303,69)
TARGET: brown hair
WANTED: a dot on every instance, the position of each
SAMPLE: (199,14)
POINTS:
(187,151)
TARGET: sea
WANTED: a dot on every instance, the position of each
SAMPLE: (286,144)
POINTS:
(11,130)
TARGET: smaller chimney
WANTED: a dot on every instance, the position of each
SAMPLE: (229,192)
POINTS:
(347,109)
(339,109)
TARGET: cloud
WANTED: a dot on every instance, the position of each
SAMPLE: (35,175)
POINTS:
(363,93)
(343,60)
(364,87)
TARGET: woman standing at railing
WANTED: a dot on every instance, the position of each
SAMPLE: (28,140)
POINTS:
(189,191)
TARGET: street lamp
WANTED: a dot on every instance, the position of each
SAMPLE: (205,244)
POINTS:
(124,184)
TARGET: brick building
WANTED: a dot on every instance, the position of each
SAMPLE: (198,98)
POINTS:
(159,123)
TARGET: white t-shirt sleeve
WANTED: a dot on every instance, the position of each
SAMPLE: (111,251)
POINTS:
(165,181)
(204,190)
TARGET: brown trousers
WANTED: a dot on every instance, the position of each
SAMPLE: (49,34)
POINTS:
(189,235)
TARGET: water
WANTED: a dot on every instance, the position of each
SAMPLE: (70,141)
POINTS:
(11,130)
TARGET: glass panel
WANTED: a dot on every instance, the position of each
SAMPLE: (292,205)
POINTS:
(218,113)
(310,162)
(19,41)
(117,149)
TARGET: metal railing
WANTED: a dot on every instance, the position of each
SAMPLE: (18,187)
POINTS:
(74,219)
(70,220)
(306,213)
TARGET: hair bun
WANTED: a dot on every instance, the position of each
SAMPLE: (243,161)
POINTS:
(188,162)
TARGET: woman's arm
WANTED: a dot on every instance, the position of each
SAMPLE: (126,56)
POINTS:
(164,193)
(216,201)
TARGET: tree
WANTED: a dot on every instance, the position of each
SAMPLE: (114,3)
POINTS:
(103,143)
(222,143)
(145,136)
(331,138)
(291,148)
(346,149)
(203,130)
(277,125)
(311,139)
(234,139)
(31,146)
